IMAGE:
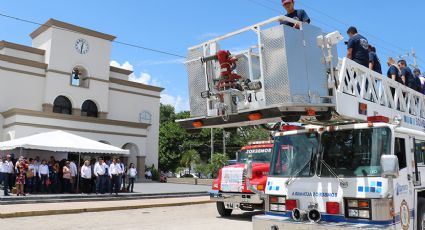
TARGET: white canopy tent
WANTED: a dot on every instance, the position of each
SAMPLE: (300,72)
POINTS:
(60,141)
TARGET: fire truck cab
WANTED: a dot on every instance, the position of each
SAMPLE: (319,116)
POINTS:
(362,175)
(231,190)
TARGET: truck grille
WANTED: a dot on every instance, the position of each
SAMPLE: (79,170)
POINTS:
(232,179)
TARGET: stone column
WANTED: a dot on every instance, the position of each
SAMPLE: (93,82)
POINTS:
(141,167)
(102,115)
(47,108)
(76,112)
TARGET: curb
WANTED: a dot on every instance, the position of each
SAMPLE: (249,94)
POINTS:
(39,200)
(102,209)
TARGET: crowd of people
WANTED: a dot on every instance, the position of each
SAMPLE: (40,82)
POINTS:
(32,176)
(360,51)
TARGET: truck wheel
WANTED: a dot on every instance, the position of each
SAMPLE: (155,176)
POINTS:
(421,214)
(222,210)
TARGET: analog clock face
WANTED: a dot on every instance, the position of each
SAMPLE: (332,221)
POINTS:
(82,46)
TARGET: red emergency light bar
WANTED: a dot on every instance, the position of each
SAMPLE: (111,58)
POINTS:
(286,128)
(374,119)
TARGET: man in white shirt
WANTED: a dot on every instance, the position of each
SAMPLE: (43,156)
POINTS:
(115,172)
(4,179)
(9,169)
(123,170)
(43,174)
(100,172)
(36,178)
(74,173)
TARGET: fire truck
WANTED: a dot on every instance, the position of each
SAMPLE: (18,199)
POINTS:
(231,189)
(362,164)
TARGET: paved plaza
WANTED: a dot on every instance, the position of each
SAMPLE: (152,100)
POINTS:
(192,217)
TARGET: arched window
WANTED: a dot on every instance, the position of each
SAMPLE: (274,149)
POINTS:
(89,109)
(62,105)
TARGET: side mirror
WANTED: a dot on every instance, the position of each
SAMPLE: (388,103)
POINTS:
(389,164)
(248,169)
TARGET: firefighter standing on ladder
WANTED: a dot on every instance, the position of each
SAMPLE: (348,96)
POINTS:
(299,15)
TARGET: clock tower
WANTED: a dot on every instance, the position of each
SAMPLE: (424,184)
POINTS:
(78,63)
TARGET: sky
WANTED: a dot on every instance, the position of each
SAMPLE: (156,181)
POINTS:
(393,27)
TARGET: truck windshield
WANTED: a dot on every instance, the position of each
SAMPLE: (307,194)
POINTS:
(293,155)
(258,155)
(355,152)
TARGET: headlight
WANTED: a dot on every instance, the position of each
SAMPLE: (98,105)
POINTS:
(282,208)
(274,207)
(364,214)
(277,203)
(353,213)
(358,208)
(281,200)
(353,203)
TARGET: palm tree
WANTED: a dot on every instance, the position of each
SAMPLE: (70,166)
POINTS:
(190,157)
(218,160)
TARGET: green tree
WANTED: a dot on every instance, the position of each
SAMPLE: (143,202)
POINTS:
(172,136)
(173,139)
(218,161)
(189,158)
(203,169)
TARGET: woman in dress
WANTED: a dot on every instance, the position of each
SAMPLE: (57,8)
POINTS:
(21,170)
(86,177)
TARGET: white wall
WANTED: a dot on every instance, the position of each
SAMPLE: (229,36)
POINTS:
(63,55)
(44,41)
(60,84)
(20,91)
(2,136)
(126,106)
(30,92)
(22,54)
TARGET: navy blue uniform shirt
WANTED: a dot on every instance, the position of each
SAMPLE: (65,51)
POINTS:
(375,61)
(418,84)
(360,53)
(299,15)
(410,79)
(394,71)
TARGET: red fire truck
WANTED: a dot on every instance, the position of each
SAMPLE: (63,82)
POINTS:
(231,189)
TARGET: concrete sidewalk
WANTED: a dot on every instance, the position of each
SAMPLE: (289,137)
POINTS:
(25,210)
(142,191)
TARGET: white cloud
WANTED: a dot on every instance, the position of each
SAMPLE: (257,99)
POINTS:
(125,65)
(143,77)
(178,102)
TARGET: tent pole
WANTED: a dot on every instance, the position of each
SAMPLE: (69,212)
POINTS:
(78,176)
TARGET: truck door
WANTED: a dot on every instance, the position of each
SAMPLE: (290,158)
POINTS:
(418,173)
(403,185)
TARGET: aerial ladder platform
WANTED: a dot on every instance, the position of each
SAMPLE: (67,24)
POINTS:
(270,72)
